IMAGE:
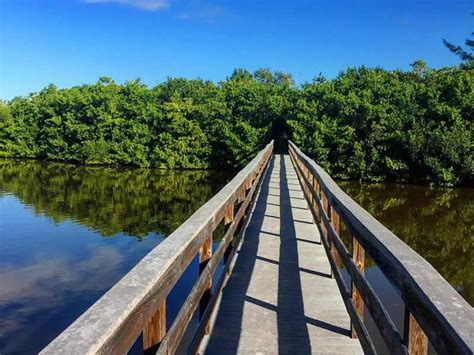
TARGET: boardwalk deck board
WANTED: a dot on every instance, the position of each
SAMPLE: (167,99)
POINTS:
(280,297)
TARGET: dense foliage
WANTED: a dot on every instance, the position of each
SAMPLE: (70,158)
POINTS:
(367,124)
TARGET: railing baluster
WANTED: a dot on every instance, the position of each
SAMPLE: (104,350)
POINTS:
(205,253)
(155,330)
(415,338)
(229,215)
(228,218)
(358,255)
(242,195)
(325,210)
(335,224)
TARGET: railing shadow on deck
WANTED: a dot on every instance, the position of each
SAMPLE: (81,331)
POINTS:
(291,321)
(291,318)
(236,288)
(137,303)
(434,311)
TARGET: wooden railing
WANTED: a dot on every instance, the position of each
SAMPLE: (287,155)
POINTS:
(433,309)
(137,303)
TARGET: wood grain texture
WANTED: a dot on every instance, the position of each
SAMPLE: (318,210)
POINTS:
(280,298)
(445,317)
(229,215)
(172,340)
(114,322)
(335,225)
(205,253)
(358,255)
(385,325)
(415,338)
(155,330)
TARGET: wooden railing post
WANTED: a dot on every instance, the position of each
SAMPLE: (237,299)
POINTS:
(155,330)
(318,196)
(242,195)
(358,255)
(248,184)
(229,215)
(415,338)
(205,253)
(335,225)
(325,210)
(228,218)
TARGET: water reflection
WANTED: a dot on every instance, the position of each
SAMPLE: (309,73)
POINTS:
(54,259)
(109,200)
(436,222)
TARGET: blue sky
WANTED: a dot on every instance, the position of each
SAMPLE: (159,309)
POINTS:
(70,42)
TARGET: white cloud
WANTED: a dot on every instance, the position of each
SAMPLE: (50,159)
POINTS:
(150,5)
(208,13)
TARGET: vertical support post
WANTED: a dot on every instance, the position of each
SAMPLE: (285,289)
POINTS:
(205,253)
(229,215)
(242,194)
(318,194)
(335,225)
(415,338)
(358,255)
(248,184)
(228,218)
(155,330)
(325,210)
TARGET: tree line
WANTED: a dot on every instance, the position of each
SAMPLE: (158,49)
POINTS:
(367,124)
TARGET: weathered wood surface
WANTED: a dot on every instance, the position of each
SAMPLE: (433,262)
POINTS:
(442,314)
(358,254)
(115,321)
(280,297)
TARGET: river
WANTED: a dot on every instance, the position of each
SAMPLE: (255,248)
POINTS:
(68,233)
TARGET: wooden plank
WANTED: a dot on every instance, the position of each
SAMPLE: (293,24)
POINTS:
(226,272)
(242,195)
(172,340)
(205,253)
(114,322)
(335,225)
(437,306)
(415,338)
(155,330)
(385,324)
(229,215)
(281,298)
(324,211)
(358,255)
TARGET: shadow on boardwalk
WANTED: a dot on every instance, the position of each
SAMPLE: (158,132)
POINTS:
(280,285)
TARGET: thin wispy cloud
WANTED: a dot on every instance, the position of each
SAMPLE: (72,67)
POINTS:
(150,5)
(206,12)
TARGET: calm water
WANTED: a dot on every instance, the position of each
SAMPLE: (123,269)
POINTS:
(436,222)
(68,233)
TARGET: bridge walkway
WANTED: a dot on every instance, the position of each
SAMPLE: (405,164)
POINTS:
(280,297)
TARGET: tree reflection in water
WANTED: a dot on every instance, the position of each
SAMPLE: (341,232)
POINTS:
(436,222)
(68,233)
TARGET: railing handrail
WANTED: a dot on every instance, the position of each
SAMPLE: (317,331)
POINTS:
(445,317)
(114,322)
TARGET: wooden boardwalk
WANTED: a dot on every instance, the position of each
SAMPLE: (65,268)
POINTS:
(280,297)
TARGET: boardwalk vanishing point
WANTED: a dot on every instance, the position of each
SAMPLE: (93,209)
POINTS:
(280,297)
(274,283)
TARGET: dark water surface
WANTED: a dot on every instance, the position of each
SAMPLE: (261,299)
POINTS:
(68,233)
(438,223)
